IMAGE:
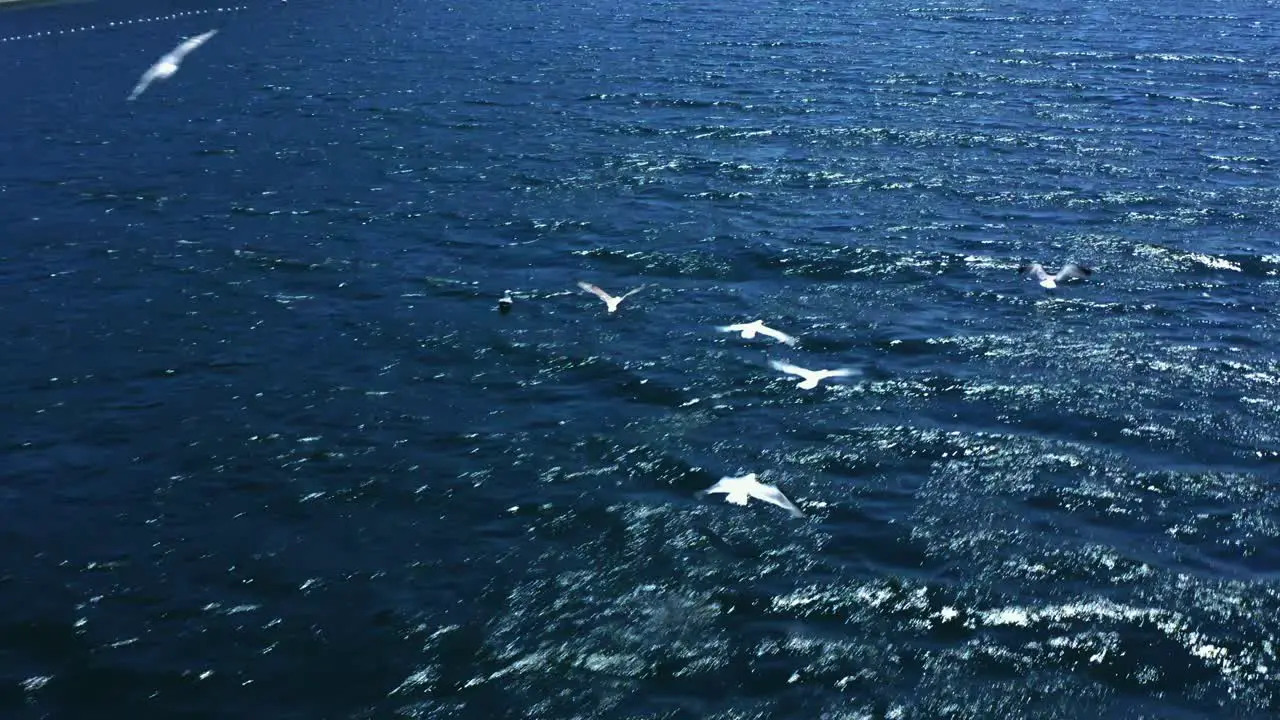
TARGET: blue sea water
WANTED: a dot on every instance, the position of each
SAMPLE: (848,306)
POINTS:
(270,450)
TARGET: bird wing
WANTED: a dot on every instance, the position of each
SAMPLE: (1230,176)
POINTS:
(790,369)
(595,291)
(1073,270)
(723,485)
(739,327)
(1036,271)
(838,372)
(144,82)
(631,292)
(777,335)
(185,48)
(774,496)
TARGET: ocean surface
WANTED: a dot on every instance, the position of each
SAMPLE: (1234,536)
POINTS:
(270,450)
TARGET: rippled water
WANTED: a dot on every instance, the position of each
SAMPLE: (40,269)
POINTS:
(272,451)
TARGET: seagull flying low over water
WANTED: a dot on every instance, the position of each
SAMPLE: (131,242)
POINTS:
(751,329)
(811,377)
(167,65)
(608,299)
(738,490)
(1068,271)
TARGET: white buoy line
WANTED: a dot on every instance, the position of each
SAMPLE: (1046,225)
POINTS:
(121,23)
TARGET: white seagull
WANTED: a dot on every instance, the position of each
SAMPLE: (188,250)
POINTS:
(737,490)
(1068,271)
(166,66)
(751,329)
(811,377)
(608,299)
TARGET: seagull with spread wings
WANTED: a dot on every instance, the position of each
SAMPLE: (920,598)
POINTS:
(609,300)
(1069,271)
(167,65)
(757,327)
(738,490)
(810,377)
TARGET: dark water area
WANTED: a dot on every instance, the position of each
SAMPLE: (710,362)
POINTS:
(270,449)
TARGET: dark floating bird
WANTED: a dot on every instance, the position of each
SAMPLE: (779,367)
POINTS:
(505,302)
(1068,272)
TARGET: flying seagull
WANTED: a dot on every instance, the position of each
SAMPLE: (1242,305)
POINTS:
(1068,271)
(751,329)
(738,490)
(166,66)
(608,299)
(811,377)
